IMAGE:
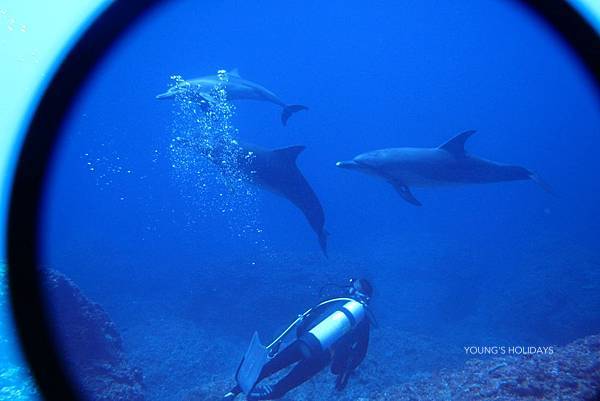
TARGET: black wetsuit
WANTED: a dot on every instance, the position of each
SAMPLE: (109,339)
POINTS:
(345,355)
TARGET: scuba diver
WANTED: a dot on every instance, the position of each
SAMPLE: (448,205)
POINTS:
(335,331)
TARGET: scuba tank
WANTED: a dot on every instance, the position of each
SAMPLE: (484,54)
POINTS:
(337,324)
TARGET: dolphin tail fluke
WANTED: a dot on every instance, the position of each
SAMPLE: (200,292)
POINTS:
(289,110)
(405,193)
(323,234)
(538,180)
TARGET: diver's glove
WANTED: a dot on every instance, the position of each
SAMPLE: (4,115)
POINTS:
(260,393)
(342,380)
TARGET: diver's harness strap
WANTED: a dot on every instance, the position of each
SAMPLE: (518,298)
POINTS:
(349,316)
(276,343)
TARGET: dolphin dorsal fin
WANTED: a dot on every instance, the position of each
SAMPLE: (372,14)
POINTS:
(291,152)
(456,145)
(234,72)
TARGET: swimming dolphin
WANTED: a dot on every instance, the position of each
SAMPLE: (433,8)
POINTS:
(444,165)
(235,87)
(276,171)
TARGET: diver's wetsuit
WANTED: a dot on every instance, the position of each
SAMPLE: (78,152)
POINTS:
(345,355)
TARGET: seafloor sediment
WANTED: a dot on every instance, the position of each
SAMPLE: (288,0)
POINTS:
(571,373)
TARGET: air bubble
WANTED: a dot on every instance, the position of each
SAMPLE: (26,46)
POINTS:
(207,159)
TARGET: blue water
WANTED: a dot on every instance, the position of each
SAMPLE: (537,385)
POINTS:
(168,246)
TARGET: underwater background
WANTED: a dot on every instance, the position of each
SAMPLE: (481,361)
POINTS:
(188,264)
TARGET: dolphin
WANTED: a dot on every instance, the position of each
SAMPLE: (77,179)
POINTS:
(276,171)
(236,88)
(447,164)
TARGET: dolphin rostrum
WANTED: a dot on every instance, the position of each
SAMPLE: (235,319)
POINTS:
(235,87)
(445,165)
(276,171)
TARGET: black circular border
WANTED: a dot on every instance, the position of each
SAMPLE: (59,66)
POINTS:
(25,203)
(44,131)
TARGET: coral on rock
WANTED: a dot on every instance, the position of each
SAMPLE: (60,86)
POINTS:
(90,344)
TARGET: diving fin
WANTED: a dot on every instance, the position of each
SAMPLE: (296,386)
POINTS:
(255,358)
(405,193)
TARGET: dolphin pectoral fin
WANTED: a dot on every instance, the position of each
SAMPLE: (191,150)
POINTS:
(289,110)
(205,97)
(538,180)
(405,193)
(323,241)
(204,100)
